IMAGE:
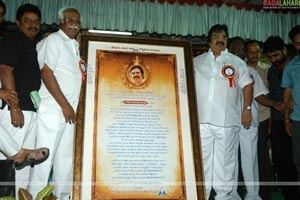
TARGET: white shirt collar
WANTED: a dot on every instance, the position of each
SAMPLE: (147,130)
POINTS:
(222,53)
(63,35)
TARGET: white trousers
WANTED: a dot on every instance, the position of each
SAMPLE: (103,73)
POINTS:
(18,138)
(53,132)
(219,156)
(249,162)
(8,146)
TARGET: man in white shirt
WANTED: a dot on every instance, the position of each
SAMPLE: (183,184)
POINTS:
(220,78)
(253,52)
(59,59)
(248,138)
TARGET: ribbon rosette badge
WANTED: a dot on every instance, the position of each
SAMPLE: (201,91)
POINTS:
(82,67)
(229,72)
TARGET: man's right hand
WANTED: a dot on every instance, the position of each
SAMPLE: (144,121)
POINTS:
(9,96)
(69,114)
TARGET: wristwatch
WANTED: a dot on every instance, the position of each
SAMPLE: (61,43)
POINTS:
(248,107)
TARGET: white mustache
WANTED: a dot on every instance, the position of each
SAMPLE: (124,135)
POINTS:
(73,27)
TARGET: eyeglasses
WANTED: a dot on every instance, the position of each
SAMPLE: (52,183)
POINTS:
(216,36)
(72,20)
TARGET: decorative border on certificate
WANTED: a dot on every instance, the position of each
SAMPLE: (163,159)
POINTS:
(139,139)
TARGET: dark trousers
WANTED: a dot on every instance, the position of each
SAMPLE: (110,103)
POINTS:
(7,179)
(296,146)
(283,160)
(264,163)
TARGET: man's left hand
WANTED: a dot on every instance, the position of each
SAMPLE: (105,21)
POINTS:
(246,118)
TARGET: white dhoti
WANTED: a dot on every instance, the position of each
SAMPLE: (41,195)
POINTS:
(8,145)
(22,138)
(58,136)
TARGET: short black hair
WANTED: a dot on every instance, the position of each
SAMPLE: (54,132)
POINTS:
(2,5)
(272,44)
(27,8)
(290,50)
(295,30)
(217,28)
(236,38)
(251,42)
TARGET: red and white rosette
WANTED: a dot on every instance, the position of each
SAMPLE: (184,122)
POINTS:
(82,68)
(229,72)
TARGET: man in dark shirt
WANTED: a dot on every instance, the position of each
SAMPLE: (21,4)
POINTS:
(285,169)
(2,10)
(19,71)
(2,13)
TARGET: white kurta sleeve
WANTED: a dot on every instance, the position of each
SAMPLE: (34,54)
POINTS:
(48,52)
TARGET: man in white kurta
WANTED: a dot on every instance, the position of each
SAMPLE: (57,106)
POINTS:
(220,78)
(253,52)
(248,143)
(58,57)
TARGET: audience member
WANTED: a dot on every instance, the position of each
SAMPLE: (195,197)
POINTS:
(236,46)
(248,137)
(2,10)
(2,13)
(291,51)
(294,35)
(20,72)
(284,166)
(253,52)
(291,83)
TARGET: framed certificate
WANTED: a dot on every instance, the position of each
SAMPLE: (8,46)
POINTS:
(137,134)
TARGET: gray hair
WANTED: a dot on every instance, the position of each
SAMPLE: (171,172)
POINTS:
(62,11)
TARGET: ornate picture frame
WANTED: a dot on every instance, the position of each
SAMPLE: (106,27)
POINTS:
(137,134)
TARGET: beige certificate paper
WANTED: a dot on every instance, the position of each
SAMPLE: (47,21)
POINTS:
(138,140)
(137,137)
